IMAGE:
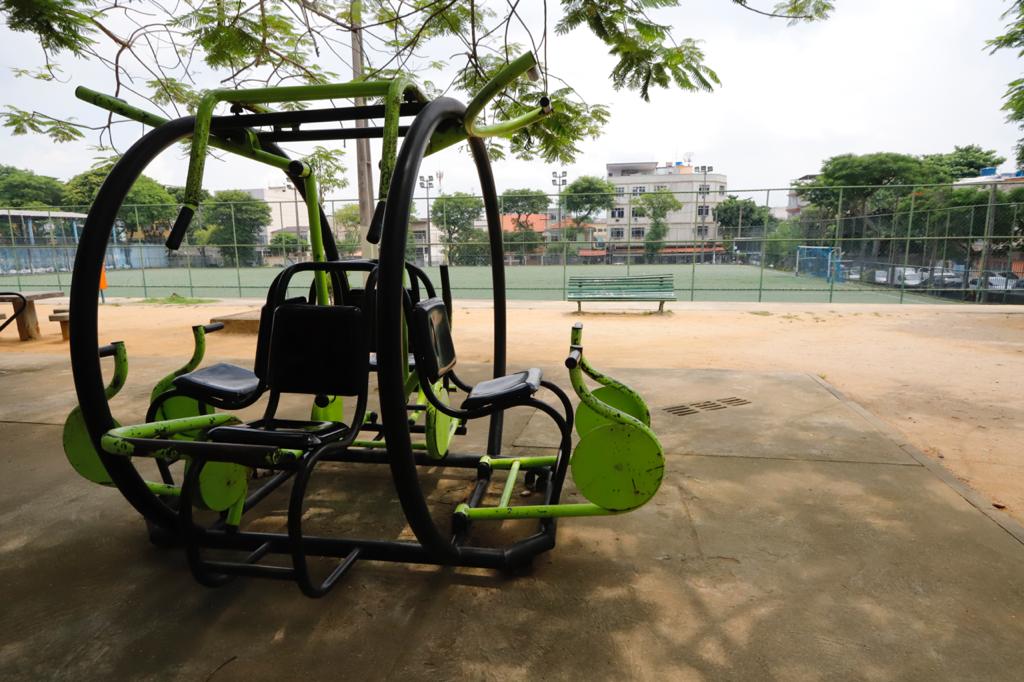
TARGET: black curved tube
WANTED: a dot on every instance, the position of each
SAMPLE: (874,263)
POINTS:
(493,213)
(85,281)
(18,309)
(391,355)
(85,358)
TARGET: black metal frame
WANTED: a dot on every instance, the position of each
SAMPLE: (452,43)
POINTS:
(433,546)
(18,309)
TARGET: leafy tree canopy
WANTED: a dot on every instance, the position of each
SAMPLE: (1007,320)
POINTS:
(237,221)
(585,196)
(522,203)
(24,188)
(964,162)
(147,211)
(158,51)
(736,212)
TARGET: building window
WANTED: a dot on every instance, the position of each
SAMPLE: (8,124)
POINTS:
(618,212)
(702,231)
(704,189)
(704,209)
(637,233)
(660,188)
(620,190)
(721,189)
(639,189)
(617,232)
(636,212)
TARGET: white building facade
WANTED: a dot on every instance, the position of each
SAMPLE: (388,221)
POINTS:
(698,192)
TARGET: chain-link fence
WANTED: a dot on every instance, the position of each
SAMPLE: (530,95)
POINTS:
(878,244)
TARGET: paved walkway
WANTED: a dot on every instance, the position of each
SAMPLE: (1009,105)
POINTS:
(793,538)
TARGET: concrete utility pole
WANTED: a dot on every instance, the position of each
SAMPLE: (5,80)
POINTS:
(364,169)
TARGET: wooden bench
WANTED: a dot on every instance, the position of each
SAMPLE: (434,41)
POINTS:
(64,317)
(28,322)
(658,288)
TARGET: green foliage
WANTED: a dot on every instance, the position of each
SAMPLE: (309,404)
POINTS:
(471,248)
(285,243)
(147,212)
(656,206)
(964,162)
(237,222)
(22,122)
(585,196)
(59,24)
(346,229)
(742,213)
(523,203)
(454,214)
(780,244)
(242,43)
(328,169)
(24,188)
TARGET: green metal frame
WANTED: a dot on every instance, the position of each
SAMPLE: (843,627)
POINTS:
(614,418)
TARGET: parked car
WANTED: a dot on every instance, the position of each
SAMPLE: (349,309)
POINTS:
(881,277)
(991,280)
(907,277)
(942,278)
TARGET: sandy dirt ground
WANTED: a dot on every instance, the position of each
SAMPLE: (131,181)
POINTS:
(947,377)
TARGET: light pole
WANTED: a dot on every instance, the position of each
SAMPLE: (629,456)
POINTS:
(703,207)
(558,179)
(427,183)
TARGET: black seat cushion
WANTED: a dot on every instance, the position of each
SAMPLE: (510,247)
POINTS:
(509,388)
(219,384)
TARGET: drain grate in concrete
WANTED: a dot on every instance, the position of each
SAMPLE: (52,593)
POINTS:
(706,406)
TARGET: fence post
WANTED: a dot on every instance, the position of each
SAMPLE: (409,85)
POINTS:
(834,271)
(764,248)
(906,248)
(629,230)
(234,239)
(142,251)
(14,247)
(565,267)
(986,244)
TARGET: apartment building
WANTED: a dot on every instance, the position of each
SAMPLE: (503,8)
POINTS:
(698,192)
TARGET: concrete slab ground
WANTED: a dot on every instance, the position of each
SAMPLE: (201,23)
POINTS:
(794,537)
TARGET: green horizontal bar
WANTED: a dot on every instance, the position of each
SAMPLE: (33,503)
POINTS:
(381,445)
(524,462)
(122,108)
(510,484)
(114,441)
(535,511)
(163,489)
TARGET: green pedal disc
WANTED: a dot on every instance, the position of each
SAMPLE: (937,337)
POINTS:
(221,484)
(439,426)
(79,450)
(618,467)
(587,420)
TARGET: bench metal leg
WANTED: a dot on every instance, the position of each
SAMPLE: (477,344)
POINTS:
(579,306)
(661,306)
(65,330)
(28,323)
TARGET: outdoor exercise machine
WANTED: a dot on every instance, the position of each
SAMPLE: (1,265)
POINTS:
(325,345)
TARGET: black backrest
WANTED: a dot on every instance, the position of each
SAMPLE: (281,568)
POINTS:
(431,337)
(314,349)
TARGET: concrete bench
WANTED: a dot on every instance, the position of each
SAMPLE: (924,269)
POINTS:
(658,288)
(64,317)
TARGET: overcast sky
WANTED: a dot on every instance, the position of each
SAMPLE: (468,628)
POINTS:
(907,76)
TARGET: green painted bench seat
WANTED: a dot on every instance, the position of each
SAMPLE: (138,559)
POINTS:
(658,288)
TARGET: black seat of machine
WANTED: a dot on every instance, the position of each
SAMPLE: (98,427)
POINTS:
(306,349)
(509,387)
(432,343)
(220,385)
